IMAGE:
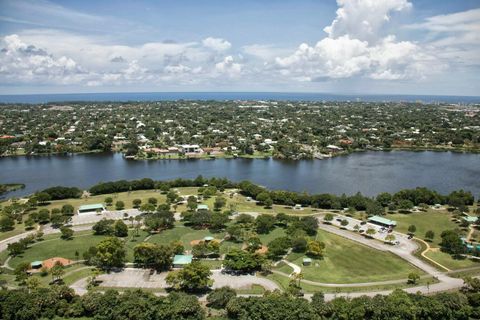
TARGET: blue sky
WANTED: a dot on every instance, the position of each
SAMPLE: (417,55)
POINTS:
(344,46)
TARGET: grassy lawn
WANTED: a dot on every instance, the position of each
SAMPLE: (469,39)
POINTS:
(348,262)
(283,282)
(437,221)
(19,228)
(126,197)
(212,264)
(183,234)
(53,246)
(447,260)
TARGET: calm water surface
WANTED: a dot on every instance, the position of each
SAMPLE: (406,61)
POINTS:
(367,172)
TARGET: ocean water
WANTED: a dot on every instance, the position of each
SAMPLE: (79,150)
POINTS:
(280,96)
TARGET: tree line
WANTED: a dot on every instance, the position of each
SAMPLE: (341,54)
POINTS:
(61,301)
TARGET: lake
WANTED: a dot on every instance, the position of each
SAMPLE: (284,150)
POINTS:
(367,172)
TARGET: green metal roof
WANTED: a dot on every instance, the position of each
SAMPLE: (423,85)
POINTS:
(208,238)
(202,207)
(382,220)
(307,260)
(470,219)
(36,263)
(91,207)
(182,259)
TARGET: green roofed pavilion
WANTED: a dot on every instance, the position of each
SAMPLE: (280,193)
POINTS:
(36,264)
(202,207)
(382,221)
(470,219)
(91,208)
(181,260)
(208,238)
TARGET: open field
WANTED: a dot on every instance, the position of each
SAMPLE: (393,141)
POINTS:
(54,246)
(437,221)
(283,282)
(451,263)
(126,197)
(348,262)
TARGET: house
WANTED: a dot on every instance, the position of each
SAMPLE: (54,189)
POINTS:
(382,221)
(190,148)
(90,209)
(181,260)
(333,148)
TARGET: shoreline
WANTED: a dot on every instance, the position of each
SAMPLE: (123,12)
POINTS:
(260,156)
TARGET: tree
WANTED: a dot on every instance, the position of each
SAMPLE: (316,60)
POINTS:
(429,235)
(451,243)
(109,253)
(405,204)
(192,203)
(103,227)
(218,220)
(119,205)
(43,216)
(315,248)
(6,223)
(57,271)
(150,255)
(375,208)
(244,261)
(268,202)
(120,229)
(152,200)
(278,247)
(43,197)
(20,272)
(370,232)
(299,245)
(108,201)
(264,223)
(193,277)
(244,219)
(413,278)
(136,203)
(29,224)
(328,218)
(67,210)
(219,203)
(219,298)
(411,229)
(33,283)
(390,238)
(16,248)
(67,233)
(344,223)
(234,232)
(309,225)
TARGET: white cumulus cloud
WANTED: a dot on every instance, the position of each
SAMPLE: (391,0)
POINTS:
(216,44)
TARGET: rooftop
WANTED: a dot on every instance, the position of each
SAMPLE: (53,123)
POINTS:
(202,207)
(382,220)
(182,259)
(91,207)
(470,219)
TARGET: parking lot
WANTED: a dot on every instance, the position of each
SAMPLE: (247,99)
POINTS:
(95,217)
